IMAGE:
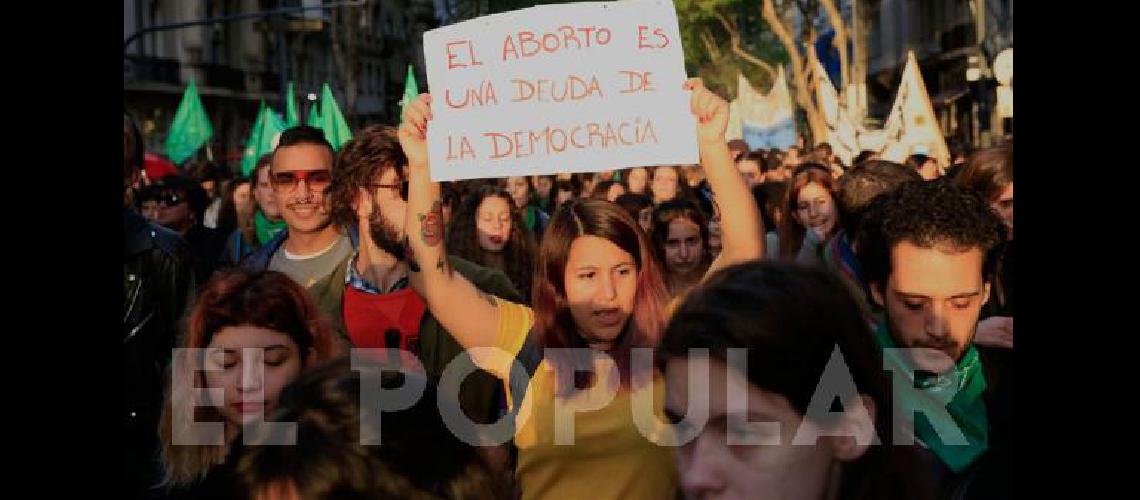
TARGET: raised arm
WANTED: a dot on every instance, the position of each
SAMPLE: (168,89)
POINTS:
(468,313)
(742,232)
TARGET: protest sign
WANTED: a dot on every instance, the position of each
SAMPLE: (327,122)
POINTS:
(559,88)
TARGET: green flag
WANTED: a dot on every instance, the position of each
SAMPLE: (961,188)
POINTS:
(249,155)
(266,131)
(332,121)
(314,116)
(292,118)
(190,128)
(411,90)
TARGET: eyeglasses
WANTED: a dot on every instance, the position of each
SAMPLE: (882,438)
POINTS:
(377,185)
(318,179)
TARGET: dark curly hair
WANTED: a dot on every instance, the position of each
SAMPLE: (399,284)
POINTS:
(928,214)
(370,152)
(863,184)
(518,253)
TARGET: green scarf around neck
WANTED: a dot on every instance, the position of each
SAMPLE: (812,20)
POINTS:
(265,228)
(967,410)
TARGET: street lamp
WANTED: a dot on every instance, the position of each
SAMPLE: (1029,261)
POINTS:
(977,76)
(974,68)
(312,100)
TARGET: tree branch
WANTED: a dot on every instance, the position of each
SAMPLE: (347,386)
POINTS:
(803,98)
(710,45)
(734,41)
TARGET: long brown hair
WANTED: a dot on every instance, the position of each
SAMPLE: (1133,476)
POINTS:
(517,254)
(231,216)
(234,297)
(792,231)
(667,212)
(683,188)
(988,172)
(554,324)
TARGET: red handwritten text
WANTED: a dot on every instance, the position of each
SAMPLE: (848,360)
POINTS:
(528,44)
(543,90)
(454,58)
(465,149)
(643,41)
(638,82)
(553,140)
(482,96)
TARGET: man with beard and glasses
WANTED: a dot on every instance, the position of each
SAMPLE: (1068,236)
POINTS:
(311,250)
(379,309)
(929,252)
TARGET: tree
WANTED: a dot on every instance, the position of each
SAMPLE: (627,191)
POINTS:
(723,38)
(800,61)
(802,54)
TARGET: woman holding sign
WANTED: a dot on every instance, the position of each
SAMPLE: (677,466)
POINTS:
(597,290)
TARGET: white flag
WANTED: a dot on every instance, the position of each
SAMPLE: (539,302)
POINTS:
(912,126)
(766,120)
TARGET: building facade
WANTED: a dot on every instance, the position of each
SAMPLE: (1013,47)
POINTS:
(949,38)
(239,63)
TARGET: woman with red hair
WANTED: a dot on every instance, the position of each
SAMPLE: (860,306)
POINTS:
(814,217)
(598,291)
(250,334)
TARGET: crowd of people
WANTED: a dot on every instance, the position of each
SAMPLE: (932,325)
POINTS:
(766,324)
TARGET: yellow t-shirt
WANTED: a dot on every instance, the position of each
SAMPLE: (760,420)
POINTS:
(610,458)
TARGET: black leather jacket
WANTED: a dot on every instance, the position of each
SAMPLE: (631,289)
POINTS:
(158,285)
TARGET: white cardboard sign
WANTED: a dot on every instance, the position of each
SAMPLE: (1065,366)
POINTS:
(577,87)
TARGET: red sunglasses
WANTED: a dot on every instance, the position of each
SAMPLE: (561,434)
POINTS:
(314,178)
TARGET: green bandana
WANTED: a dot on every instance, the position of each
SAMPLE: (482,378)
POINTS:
(266,230)
(967,411)
(531,217)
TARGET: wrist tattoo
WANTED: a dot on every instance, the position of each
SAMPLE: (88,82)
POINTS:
(431,225)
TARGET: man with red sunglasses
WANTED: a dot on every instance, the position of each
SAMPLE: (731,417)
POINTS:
(311,249)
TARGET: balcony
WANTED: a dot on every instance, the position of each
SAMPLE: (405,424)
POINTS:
(220,76)
(151,69)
